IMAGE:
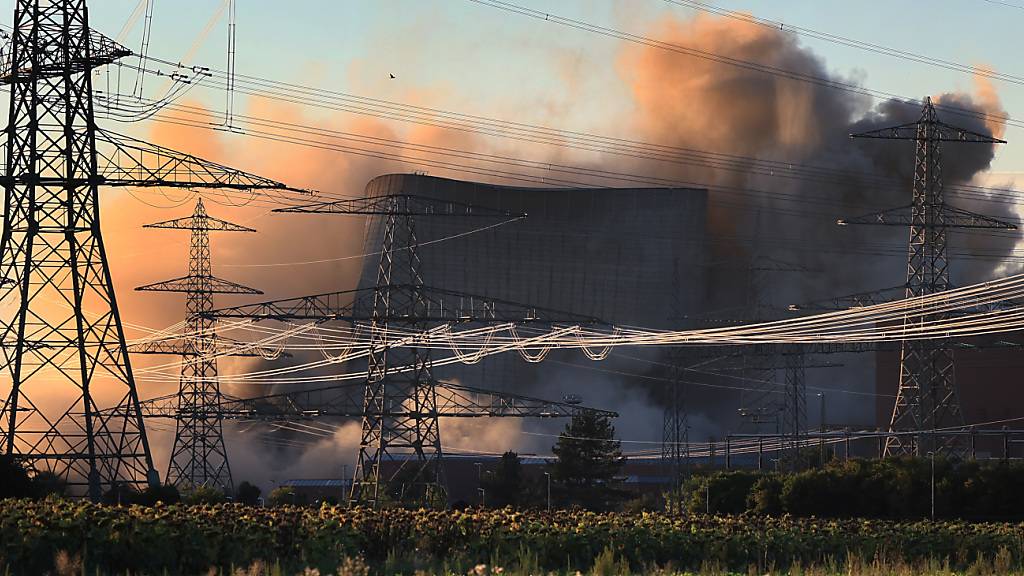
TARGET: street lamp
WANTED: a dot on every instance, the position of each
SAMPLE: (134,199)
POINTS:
(548,475)
(932,456)
(483,494)
(821,440)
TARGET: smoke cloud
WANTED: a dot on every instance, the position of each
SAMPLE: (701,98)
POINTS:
(699,104)
(676,100)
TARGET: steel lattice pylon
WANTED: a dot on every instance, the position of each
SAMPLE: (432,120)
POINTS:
(675,437)
(400,404)
(67,334)
(198,456)
(927,396)
(794,412)
(381,432)
(73,407)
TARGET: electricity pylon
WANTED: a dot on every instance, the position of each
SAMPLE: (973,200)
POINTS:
(198,456)
(400,403)
(927,396)
(73,407)
(675,435)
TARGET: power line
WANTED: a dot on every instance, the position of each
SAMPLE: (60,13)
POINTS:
(336,101)
(982,72)
(283,131)
(736,62)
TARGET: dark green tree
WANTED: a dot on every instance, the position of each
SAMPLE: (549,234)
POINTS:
(588,459)
(505,486)
(248,494)
(164,493)
(120,494)
(204,495)
(48,484)
(14,479)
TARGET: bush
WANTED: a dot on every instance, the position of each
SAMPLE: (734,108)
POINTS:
(204,495)
(248,494)
(120,494)
(14,479)
(766,496)
(719,492)
(282,496)
(164,493)
(892,488)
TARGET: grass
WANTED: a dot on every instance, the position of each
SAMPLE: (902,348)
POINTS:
(607,563)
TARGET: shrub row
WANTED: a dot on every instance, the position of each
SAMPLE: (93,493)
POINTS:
(891,488)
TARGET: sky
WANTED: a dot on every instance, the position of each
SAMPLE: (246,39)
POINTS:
(463,56)
(479,59)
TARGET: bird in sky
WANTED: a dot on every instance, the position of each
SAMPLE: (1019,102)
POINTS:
(392,76)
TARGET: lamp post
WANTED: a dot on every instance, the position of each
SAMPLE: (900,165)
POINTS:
(821,439)
(931,455)
(548,475)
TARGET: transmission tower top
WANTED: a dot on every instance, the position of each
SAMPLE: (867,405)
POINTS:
(19,65)
(929,128)
(200,220)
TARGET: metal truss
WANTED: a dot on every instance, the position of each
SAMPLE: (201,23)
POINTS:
(53,61)
(794,412)
(346,401)
(199,456)
(675,436)
(401,375)
(434,305)
(927,395)
(400,205)
(73,404)
(180,346)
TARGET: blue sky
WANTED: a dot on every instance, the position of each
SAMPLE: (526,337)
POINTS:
(477,59)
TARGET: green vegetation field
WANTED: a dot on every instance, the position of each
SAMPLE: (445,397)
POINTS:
(36,536)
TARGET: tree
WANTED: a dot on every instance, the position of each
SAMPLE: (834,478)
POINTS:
(163,493)
(46,484)
(14,479)
(248,494)
(282,496)
(505,486)
(120,494)
(588,459)
(204,495)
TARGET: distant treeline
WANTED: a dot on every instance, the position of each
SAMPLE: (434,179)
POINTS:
(890,488)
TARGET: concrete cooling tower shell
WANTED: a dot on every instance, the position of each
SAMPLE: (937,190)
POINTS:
(630,256)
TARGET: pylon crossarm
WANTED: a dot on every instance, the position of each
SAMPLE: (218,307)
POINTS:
(346,401)
(856,300)
(200,284)
(456,400)
(941,132)
(102,51)
(946,217)
(127,161)
(901,132)
(400,205)
(949,133)
(435,305)
(178,346)
(206,223)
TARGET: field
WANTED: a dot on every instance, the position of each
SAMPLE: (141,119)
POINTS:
(37,535)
